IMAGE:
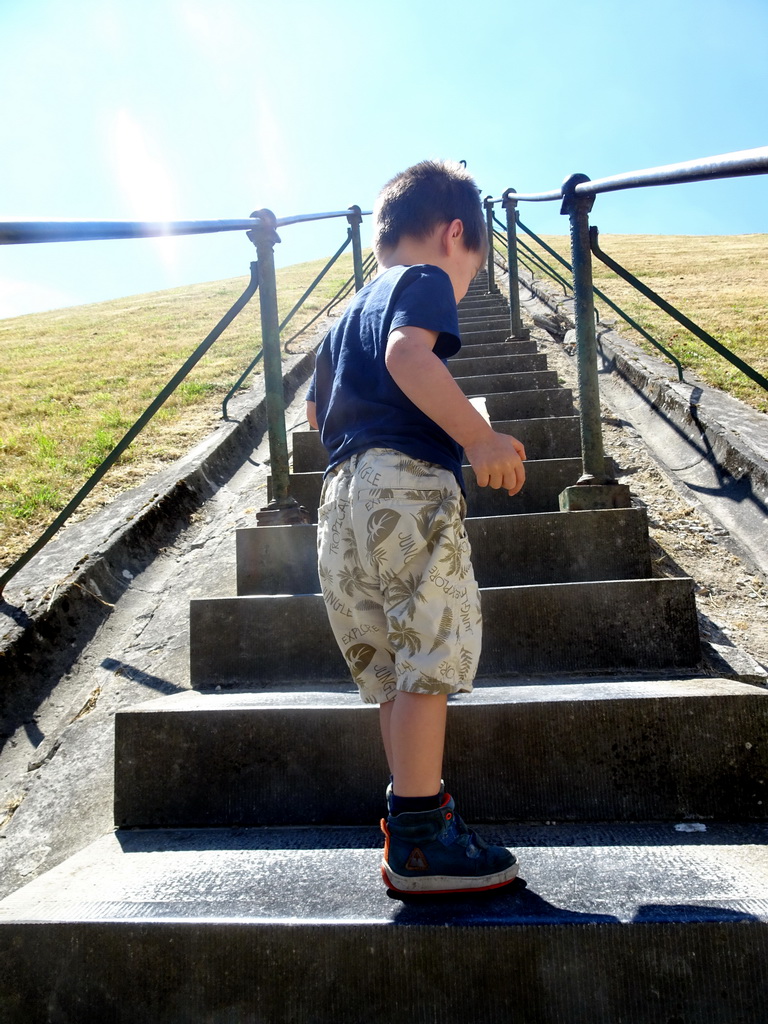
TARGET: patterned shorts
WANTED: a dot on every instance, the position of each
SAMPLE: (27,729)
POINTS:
(396,575)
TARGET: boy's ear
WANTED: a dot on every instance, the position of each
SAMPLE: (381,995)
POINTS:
(452,234)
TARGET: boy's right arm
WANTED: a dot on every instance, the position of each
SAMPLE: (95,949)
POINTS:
(312,414)
(497,459)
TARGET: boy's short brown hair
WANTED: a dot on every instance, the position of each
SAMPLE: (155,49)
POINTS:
(421,198)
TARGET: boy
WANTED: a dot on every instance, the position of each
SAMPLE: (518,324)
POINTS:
(393,553)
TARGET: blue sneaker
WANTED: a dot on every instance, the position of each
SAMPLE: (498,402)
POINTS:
(434,852)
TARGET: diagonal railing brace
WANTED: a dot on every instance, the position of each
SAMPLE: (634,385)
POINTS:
(668,308)
(135,430)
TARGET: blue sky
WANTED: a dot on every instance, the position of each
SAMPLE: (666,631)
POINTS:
(185,109)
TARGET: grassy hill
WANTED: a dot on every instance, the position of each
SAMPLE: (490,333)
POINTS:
(72,381)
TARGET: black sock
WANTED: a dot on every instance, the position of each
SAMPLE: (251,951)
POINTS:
(407,804)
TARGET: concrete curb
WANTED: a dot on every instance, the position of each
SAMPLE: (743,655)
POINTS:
(56,603)
(712,444)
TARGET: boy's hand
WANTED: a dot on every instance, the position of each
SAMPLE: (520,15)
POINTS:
(497,460)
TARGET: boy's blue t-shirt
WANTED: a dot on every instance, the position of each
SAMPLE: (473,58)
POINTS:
(359,406)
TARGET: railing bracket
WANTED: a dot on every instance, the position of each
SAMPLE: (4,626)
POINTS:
(571,199)
(589,495)
(283,513)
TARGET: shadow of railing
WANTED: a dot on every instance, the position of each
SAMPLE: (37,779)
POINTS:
(739,490)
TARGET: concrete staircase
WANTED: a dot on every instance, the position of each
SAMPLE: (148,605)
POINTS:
(241,885)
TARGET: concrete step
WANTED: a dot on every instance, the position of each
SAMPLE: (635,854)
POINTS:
(479,306)
(545,480)
(544,438)
(560,547)
(476,296)
(501,383)
(475,321)
(617,750)
(481,299)
(517,405)
(557,547)
(498,348)
(496,316)
(617,625)
(486,365)
(637,924)
(479,289)
(470,337)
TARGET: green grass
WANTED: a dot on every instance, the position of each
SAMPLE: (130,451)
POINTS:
(32,504)
(719,282)
(74,380)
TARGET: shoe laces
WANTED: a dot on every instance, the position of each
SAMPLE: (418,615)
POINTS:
(464,835)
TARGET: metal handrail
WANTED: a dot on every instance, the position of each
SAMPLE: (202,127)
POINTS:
(316,282)
(541,264)
(25,232)
(743,163)
(577,194)
(565,285)
(368,268)
(668,308)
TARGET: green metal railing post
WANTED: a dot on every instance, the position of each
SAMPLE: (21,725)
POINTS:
(355,220)
(603,491)
(516,328)
(282,509)
(488,204)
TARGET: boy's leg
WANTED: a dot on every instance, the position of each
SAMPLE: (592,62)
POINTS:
(410,535)
(431,603)
(403,605)
(428,847)
(413,731)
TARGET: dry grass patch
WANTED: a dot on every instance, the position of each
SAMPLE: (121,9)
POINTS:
(719,282)
(73,381)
